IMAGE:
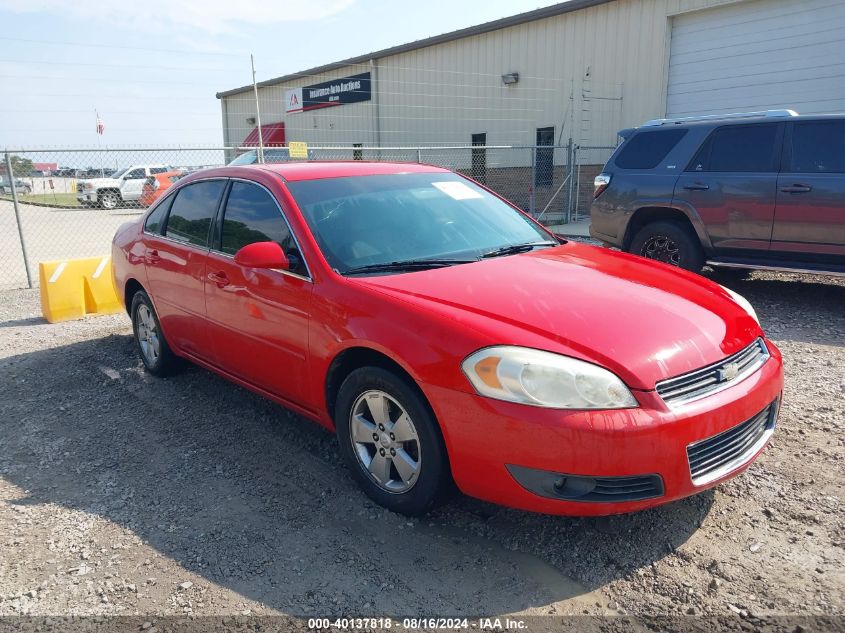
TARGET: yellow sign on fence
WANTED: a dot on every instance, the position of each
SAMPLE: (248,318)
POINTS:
(298,149)
(72,288)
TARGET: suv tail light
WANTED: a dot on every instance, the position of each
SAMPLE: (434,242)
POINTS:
(600,183)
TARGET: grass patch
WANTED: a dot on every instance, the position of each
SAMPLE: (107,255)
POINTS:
(63,199)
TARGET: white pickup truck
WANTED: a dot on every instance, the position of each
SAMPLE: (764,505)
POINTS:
(123,186)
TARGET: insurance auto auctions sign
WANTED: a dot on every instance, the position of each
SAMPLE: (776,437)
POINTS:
(329,93)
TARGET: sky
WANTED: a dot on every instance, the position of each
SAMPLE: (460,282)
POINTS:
(151,69)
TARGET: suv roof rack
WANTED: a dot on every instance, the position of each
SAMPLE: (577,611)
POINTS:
(717,117)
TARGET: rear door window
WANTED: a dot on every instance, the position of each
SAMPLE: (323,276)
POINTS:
(192,210)
(818,147)
(739,148)
(646,150)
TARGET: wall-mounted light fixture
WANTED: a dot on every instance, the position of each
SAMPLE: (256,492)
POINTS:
(510,78)
(250,120)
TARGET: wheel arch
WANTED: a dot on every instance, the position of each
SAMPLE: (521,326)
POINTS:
(105,190)
(131,287)
(655,213)
(348,360)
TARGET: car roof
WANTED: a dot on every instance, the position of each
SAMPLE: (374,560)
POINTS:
(313,170)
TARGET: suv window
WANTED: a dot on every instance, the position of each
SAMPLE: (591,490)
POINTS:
(818,147)
(192,211)
(646,149)
(738,148)
(136,174)
(158,170)
(252,215)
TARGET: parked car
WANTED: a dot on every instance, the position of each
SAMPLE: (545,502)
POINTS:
(271,155)
(20,185)
(751,190)
(156,185)
(123,186)
(445,335)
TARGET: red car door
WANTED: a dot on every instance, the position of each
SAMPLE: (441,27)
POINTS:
(175,260)
(258,319)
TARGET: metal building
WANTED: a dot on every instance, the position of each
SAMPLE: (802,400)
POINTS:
(577,70)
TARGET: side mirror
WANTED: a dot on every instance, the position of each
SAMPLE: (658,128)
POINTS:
(262,255)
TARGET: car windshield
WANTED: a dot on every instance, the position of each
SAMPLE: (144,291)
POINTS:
(119,173)
(270,156)
(370,222)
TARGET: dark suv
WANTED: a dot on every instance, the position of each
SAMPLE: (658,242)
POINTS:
(758,190)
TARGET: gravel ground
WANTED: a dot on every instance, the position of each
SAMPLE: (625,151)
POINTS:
(125,494)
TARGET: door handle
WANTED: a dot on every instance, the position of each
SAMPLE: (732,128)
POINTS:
(697,186)
(796,189)
(153,257)
(219,278)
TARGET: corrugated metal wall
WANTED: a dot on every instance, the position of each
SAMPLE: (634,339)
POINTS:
(587,73)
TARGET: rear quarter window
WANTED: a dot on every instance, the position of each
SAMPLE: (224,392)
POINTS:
(646,150)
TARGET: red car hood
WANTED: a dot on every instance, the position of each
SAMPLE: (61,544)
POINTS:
(643,320)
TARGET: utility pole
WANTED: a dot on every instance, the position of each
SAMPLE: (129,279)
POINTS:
(257,112)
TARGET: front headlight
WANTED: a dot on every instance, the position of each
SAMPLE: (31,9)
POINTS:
(543,379)
(743,303)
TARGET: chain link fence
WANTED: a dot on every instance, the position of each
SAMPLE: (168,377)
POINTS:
(66,203)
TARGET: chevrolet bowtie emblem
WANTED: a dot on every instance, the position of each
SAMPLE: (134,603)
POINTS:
(728,372)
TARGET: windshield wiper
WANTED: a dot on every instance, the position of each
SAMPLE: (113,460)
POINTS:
(513,249)
(410,264)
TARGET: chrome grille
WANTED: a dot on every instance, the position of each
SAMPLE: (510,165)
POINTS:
(715,377)
(717,456)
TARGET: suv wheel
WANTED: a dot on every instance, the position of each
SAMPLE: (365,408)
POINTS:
(671,243)
(390,441)
(109,200)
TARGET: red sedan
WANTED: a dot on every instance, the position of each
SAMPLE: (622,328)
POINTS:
(446,336)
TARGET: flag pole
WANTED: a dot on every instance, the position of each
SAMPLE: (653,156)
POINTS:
(257,112)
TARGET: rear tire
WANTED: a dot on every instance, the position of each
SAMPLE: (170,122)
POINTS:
(155,353)
(671,243)
(391,442)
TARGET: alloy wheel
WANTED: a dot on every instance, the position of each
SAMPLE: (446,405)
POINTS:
(385,441)
(663,249)
(109,201)
(148,337)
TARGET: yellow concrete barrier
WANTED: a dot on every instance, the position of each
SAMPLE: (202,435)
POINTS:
(73,288)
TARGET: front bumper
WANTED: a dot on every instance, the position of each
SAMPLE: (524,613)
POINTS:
(486,438)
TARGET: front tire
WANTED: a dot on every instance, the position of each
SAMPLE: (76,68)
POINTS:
(671,243)
(155,353)
(109,200)
(390,441)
